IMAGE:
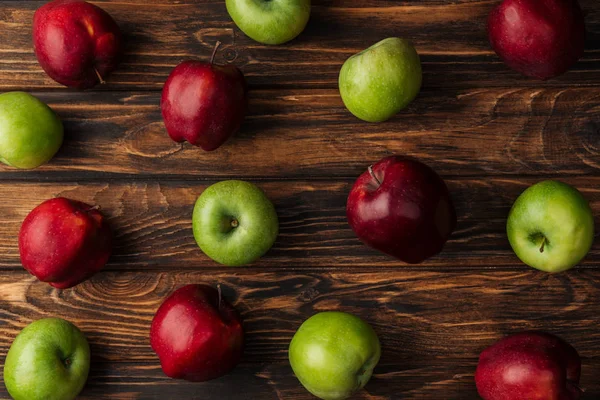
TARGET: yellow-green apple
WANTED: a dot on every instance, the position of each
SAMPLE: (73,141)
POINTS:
(204,103)
(30,132)
(401,207)
(64,242)
(49,359)
(529,366)
(380,81)
(333,354)
(538,38)
(77,43)
(551,226)
(234,222)
(270,21)
(197,334)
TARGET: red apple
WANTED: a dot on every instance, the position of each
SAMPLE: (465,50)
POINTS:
(529,365)
(538,38)
(204,103)
(64,242)
(401,207)
(197,334)
(77,43)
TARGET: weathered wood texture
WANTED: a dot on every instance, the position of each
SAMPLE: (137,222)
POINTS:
(449,35)
(309,133)
(432,325)
(153,228)
(486,129)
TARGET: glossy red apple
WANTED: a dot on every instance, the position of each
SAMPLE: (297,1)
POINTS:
(197,334)
(204,103)
(529,365)
(538,38)
(77,43)
(401,207)
(64,242)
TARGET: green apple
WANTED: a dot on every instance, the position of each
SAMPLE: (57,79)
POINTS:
(49,359)
(380,81)
(333,354)
(234,222)
(30,132)
(270,21)
(551,227)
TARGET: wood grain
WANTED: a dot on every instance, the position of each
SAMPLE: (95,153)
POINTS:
(450,36)
(432,325)
(308,133)
(152,223)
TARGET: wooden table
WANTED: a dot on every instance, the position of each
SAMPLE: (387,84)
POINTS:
(487,130)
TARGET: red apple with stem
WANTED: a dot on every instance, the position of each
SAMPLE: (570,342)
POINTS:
(538,38)
(204,103)
(401,207)
(529,365)
(197,334)
(77,43)
(64,242)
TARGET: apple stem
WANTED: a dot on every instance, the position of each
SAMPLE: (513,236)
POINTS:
(234,223)
(214,53)
(95,208)
(102,82)
(219,290)
(370,169)
(543,244)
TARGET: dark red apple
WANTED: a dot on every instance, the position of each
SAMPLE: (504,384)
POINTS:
(197,334)
(538,38)
(77,43)
(204,103)
(402,207)
(64,242)
(531,366)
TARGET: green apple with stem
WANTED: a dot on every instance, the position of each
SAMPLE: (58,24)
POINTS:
(551,226)
(270,21)
(30,132)
(333,354)
(380,81)
(49,359)
(234,222)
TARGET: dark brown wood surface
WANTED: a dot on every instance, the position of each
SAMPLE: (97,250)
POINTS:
(488,131)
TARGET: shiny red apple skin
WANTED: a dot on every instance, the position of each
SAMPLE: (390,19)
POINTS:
(64,242)
(204,103)
(410,215)
(76,41)
(538,38)
(197,335)
(529,365)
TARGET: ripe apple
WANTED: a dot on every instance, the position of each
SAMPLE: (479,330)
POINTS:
(401,207)
(538,38)
(49,359)
(204,103)
(551,226)
(64,242)
(234,222)
(197,334)
(30,132)
(77,43)
(529,365)
(270,21)
(380,81)
(333,354)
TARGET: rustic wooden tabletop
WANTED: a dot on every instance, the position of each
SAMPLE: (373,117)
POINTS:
(487,130)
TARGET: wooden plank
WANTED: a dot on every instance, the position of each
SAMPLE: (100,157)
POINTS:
(450,36)
(309,133)
(152,223)
(432,325)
